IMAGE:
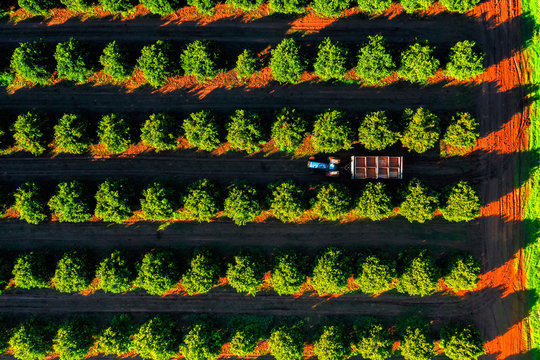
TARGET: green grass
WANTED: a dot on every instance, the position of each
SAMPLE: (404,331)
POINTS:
(531,215)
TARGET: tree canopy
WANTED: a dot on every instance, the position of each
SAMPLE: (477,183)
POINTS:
(331,201)
(31,62)
(287,6)
(331,272)
(463,131)
(116,6)
(286,62)
(203,6)
(244,131)
(203,273)
(37,7)
(115,273)
(374,6)
(462,272)
(289,129)
(72,272)
(331,132)
(70,203)
(330,8)
(29,133)
(374,202)
(247,64)
(461,342)
(200,60)
(416,342)
(288,274)
(244,338)
(418,273)
(287,201)
(411,6)
(31,271)
(77,5)
(116,339)
(73,339)
(246,5)
(465,61)
(286,342)
(245,273)
(158,202)
(114,200)
(71,134)
(115,61)
(373,340)
(72,61)
(201,130)
(460,5)
(31,340)
(161,7)
(375,274)
(422,130)
(377,131)
(419,202)
(157,339)
(160,131)
(202,341)
(201,201)
(242,204)
(157,272)
(460,202)
(331,61)
(114,133)
(417,62)
(332,343)
(155,63)
(374,61)
(30,203)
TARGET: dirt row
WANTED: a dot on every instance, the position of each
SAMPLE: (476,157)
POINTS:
(444,29)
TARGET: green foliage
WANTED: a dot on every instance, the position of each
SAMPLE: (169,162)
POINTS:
(116,339)
(5,334)
(70,202)
(460,5)
(114,133)
(331,62)
(331,132)
(115,61)
(287,201)
(289,129)
(330,8)
(463,131)
(247,64)
(373,341)
(461,203)
(6,78)
(416,343)
(30,203)
(418,273)
(422,130)
(72,61)
(331,201)
(155,63)
(113,200)
(461,342)
(331,272)
(116,6)
(201,201)
(161,7)
(419,202)
(157,272)
(374,7)
(288,274)
(70,134)
(245,274)
(160,132)
(203,273)
(202,341)
(375,274)
(200,60)
(375,202)
(30,61)
(37,7)
(242,204)
(29,134)
(244,338)
(464,61)
(417,62)
(157,339)
(31,271)
(377,131)
(286,342)
(73,339)
(286,63)
(462,272)
(201,130)
(244,131)
(204,6)
(6,268)
(416,5)
(374,61)
(332,344)
(246,5)
(158,202)
(287,6)
(72,272)
(31,340)
(77,5)
(115,273)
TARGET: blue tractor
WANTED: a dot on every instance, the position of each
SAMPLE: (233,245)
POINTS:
(330,168)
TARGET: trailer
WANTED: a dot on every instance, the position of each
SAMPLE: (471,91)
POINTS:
(360,167)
